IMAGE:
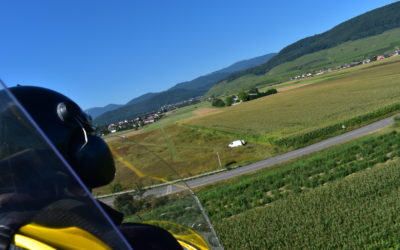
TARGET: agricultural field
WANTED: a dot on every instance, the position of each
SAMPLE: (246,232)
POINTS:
(177,115)
(315,111)
(344,53)
(359,211)
(241,194)
(171,118)
(186,144)
(176,152)
(343,197)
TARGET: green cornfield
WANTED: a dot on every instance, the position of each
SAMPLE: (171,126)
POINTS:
(357,212)
(346,197)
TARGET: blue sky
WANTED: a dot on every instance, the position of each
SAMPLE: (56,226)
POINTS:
(99,52)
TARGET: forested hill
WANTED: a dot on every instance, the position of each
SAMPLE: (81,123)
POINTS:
(368,24)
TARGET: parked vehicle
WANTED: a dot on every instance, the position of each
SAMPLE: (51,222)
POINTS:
(236,143)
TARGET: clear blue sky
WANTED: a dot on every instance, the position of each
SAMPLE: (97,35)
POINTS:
(99,52)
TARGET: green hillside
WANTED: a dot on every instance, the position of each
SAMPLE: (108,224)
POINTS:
(368,24)
(352,97)
(339,55)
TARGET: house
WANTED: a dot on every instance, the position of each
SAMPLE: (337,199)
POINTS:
(149,120)
(365,61)
(378,58)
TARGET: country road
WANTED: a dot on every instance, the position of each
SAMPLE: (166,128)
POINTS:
(168,189)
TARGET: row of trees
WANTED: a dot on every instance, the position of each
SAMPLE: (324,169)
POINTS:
(243,96)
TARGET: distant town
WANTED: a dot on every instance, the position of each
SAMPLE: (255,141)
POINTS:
(145,119)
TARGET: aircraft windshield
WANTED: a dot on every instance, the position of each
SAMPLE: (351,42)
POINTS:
(40,196)
(160,197)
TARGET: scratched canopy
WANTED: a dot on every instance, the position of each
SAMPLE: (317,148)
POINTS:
(42,199)
(42,202)
(157,195)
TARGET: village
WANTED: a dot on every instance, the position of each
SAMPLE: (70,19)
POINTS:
(396,52)
(145,119)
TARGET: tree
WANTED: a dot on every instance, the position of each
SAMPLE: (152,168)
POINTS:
(271,92)
(124,204)
(115,187)
(218,102)
(254,90)
(243,96)
(229,101)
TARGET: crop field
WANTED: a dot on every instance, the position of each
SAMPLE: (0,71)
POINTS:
(272,125)
(343,197)
(307,81)
(177,152)
(247,192)
(344,53)
(365,93)
(357,212)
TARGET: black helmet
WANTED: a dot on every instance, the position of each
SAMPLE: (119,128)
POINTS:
(70,130)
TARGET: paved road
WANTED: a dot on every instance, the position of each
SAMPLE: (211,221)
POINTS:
(168,189)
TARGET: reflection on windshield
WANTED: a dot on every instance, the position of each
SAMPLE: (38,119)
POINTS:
(167,203)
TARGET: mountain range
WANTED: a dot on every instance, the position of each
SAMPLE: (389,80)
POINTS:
(180,92)
(338,45)
(368,24)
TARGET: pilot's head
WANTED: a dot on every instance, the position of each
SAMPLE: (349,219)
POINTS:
(71,132)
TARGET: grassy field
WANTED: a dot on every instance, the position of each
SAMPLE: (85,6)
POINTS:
(177,115)
(355,93)
(273,125)
(177,151)
(172,118)
(345,53)
(307,81)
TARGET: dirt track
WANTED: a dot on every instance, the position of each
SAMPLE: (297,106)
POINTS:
(116,137)
(203,111)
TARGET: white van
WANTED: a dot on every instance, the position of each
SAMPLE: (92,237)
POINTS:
(236,143)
